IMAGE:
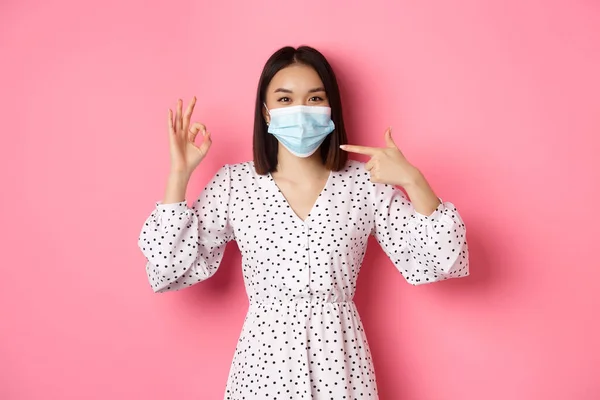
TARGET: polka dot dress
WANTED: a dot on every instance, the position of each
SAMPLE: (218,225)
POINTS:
(302,337)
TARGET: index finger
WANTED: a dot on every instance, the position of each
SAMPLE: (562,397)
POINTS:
(195,128)
(369,151)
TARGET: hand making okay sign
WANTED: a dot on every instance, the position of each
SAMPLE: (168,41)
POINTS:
(185,153)
(387,164)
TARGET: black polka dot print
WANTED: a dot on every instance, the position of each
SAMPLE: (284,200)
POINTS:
(302,337)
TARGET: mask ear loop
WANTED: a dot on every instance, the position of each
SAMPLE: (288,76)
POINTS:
(268,112)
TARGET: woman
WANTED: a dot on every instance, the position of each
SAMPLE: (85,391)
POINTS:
(301,213)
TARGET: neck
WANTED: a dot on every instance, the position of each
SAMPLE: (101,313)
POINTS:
(289,165)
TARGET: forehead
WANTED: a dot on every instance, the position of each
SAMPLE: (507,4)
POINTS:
(295,77)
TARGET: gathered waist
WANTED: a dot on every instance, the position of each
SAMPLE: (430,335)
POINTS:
(302,311)
(300,302)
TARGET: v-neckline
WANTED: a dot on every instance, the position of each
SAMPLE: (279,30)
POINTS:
(287,203)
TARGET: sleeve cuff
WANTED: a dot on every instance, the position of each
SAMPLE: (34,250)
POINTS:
(434,215)
(172,207)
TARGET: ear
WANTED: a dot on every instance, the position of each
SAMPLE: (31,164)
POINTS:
(265,113)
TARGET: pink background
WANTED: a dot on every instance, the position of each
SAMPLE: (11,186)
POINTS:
(496,102)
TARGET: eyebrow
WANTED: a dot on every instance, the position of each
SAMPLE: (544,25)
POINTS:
(283,90)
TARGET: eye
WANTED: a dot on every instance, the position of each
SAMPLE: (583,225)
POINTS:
(316,99)
(284,100)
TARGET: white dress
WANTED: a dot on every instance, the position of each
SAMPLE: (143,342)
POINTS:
(302,337)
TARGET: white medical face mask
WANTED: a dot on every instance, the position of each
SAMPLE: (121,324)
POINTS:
(301,129)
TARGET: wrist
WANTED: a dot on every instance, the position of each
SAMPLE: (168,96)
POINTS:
(180,176)
(413,179)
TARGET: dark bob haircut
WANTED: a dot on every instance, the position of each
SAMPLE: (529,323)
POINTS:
(264,144)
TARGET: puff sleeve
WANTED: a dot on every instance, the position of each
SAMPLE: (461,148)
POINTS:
(184,245)
(424,249)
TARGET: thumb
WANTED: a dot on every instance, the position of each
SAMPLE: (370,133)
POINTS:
(388,138)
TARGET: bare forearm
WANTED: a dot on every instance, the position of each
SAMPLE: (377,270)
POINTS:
(176,188)
(421,195)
